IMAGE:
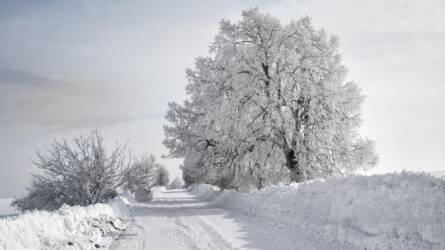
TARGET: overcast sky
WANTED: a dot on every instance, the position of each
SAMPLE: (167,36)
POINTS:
(68,66)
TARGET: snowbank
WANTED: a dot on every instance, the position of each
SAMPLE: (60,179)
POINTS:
(75,227)
(391,211)
(158,191)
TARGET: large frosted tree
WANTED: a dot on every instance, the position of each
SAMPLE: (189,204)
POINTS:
(269,95)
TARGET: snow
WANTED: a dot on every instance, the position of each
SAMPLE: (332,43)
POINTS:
(69,227)
(391,211)
(175,219)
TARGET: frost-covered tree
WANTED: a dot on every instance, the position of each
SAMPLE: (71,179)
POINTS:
(141,173)
(162,176)
(268,95)
(80,173)
(176,183)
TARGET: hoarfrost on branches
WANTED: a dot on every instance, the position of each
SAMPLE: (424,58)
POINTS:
(141,173)
(81,173)
(270,103)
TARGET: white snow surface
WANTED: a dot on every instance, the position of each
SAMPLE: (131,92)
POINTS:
(74,227)
(391,211)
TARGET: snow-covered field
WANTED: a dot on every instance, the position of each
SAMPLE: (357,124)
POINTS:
(391,211)
(75,227)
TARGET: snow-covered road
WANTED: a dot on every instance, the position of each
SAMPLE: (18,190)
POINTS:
(173,220)
(176,219)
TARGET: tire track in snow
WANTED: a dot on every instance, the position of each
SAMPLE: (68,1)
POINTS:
(172,221)
(200,235)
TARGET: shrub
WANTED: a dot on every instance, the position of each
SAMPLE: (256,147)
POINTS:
(162,176)
(141,173)
(176,183)
(80,173)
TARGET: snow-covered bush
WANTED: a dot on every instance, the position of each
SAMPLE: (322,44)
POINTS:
(143,193)
(142,173)
(79,174)
(391,211)
(269,96)
(162,176)
(177,183)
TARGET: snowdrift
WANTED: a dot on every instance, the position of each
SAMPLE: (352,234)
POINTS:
(74,227)
(391,211)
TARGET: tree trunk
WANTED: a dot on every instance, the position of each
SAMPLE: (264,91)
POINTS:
(293,165)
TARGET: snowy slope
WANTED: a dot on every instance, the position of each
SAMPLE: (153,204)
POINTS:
(392,211)
(69,227)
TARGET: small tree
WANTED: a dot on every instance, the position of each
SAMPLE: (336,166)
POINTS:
(80,173)
(142,172)
(141,177)
(177,183)
(162,178)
